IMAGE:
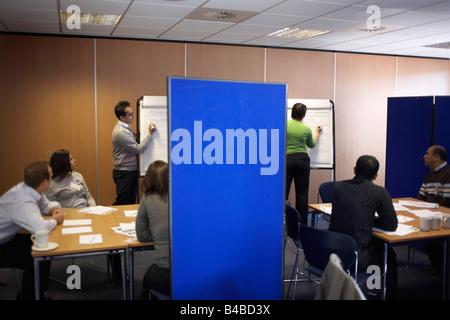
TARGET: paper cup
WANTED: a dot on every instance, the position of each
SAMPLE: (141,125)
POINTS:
(425,223)
(435,223)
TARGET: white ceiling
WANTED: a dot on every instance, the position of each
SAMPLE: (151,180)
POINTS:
(409,25)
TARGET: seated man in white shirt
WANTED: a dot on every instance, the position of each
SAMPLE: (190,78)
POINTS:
(23,207)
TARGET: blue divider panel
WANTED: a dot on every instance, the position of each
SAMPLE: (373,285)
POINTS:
(442,122)
(408,138)
(227,164)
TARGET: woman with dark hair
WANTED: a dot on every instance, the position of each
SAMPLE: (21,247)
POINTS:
(68,187)
(298,137)
(152,224)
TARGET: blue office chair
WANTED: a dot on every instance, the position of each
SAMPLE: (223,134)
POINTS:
(293,223)
(326,195)
(326,191)
(318,245)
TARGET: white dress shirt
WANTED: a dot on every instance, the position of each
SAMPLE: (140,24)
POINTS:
(23,207)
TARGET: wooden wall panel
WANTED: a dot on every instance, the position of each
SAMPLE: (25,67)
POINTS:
(225,62)
(309,75)
(127,70)
(47,89)
(423,77)
(363,84)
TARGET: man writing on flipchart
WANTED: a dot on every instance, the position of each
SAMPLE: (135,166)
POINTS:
(125,151)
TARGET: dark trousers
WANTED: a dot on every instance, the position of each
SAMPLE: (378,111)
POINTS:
(17,254)
(156,278)
(126,186)
(298,169)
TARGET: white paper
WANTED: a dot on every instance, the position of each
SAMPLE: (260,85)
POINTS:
(421,204)
(402,230)
(130,213)
(326,209)
(91,239)
(78,222)
(127,226)
(399,207)
(97,210)
(425,213)
(401,218)
(76,230)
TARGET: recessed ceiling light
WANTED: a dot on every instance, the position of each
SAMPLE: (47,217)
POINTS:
(297,33)
(93,18)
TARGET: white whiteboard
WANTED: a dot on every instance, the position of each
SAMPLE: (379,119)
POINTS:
(319,113)
(153,109)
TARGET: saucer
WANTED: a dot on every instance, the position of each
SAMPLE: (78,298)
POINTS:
(51,246)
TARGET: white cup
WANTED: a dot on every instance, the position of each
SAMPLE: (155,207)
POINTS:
(435,223)
(40,238)
(446,221)
(425,223)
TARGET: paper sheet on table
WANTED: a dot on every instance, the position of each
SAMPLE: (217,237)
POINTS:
(130,213)
(425,213)
(76,230)
(97,210)
(399,207)
(77,222)
(91,239)
(402,229)
(128,229)
(326,209)
(402,218)
(421,204)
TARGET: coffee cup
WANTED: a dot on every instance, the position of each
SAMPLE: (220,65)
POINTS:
(446,221)
(425,223)
(435,222)
(40,238)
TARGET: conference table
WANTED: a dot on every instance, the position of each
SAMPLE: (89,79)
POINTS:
(79,236)
(407,219)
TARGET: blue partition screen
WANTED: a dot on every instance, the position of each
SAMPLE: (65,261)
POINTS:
(227,164)
(408,137)
(441,122)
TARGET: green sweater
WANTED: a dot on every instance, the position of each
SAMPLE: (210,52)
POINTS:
(299,136)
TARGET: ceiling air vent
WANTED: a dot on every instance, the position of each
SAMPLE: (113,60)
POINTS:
(223,15)
(443,45)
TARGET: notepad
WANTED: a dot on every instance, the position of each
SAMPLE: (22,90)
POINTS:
(98,210)
(130,213)
(402,230)
(91,239)
(77,222)
(76,230)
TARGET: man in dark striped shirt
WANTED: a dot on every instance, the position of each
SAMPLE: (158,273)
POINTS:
(436,188)
(358,205)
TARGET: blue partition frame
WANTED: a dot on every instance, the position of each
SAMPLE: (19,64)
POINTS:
(226,198)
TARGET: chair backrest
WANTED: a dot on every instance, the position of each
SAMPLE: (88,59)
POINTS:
(326,191)
(293,222)
(318,245)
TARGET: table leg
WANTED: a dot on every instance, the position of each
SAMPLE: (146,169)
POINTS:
(445,269)
(383,283)
(37,284)
(124,274)
(131,272)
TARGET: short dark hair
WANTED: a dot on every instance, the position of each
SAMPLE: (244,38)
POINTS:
(156,179)
(367,166)
(35,173)
(441,152)
(60,163)
(298,111)
(119,110)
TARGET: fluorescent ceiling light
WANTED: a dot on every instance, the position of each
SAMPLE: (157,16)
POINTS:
(93,18)
(443,45)
(297,33)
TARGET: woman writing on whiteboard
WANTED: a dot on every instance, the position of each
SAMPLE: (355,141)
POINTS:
(298,137)
(68,187)
(152,224)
